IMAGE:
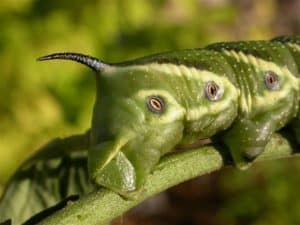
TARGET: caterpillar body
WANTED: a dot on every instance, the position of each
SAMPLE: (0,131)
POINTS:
(240,93)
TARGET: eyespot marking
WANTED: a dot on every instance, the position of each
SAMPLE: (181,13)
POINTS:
(212,91)
(271,80)
(155,104)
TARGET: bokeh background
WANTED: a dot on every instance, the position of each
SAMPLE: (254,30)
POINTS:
(39,101)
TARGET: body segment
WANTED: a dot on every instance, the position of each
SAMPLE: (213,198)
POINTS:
(262,110)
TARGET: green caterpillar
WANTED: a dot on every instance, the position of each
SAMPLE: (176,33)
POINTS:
(240,93)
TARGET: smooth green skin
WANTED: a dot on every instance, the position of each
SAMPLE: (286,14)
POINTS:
(127,140)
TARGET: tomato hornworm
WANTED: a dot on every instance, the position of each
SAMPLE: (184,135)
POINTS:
(240,93)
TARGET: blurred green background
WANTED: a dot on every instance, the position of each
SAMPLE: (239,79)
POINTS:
(39,101)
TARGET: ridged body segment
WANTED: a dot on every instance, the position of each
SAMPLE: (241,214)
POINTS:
(261,111)
(293,44)
(250,61)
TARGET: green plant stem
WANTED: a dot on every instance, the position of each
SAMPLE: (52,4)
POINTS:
(101,206)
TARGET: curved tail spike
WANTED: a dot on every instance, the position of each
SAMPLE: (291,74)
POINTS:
(92,62)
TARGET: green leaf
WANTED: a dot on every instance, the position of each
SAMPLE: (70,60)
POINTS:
(41,184)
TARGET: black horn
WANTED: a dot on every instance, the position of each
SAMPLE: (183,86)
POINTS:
(89,61)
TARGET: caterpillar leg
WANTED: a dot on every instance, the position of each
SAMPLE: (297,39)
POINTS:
(127,169)
(247,139)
